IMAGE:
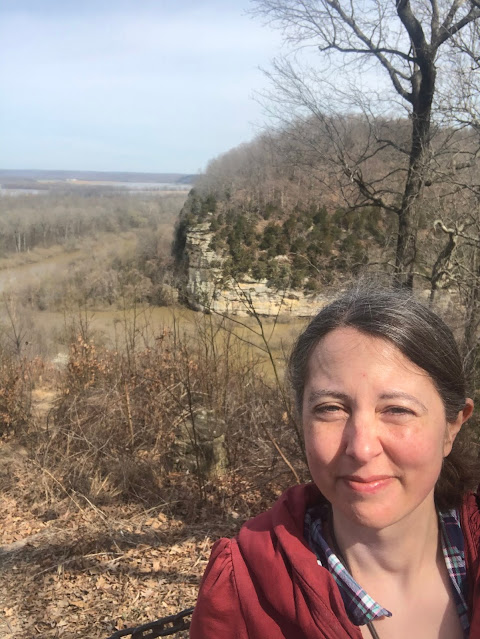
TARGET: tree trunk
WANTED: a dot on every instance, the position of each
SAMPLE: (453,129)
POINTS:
(472,320)
(423,87)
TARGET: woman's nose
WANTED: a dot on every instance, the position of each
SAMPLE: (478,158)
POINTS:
(362,437)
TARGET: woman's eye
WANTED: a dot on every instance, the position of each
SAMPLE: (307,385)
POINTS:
(399,410)
(328,409)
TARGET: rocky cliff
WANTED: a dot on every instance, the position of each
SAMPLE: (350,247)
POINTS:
(208,289)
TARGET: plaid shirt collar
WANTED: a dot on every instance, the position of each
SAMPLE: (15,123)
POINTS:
(360,607)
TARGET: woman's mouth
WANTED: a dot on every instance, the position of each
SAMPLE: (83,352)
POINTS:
(372,484)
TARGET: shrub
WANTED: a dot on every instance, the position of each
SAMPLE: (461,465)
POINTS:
(128,424)
(15,395)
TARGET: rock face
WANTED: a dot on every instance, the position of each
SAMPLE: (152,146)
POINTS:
(207,289)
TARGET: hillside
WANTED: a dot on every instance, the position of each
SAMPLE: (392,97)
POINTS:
(273,218)
(281,209)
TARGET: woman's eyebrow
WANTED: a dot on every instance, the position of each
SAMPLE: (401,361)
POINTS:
(402,395)
(321,393)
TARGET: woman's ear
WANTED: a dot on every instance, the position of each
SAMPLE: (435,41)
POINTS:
(454,427)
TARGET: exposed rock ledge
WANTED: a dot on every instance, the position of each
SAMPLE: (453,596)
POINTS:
(207,290)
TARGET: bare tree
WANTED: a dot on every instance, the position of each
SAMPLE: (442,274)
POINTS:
(458,268)
(381,59)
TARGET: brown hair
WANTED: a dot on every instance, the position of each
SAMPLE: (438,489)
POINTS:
(424,338)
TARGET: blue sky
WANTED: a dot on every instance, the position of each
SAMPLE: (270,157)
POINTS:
(128,85)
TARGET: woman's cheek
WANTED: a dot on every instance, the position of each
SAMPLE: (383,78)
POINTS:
(320,447)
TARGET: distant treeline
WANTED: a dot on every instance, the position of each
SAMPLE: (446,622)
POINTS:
(27,222)
(96,176)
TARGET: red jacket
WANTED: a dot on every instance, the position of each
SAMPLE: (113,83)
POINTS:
(266,583)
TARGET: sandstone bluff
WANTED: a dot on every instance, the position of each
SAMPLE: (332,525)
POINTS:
(208,289)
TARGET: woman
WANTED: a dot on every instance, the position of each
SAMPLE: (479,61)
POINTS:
(385,542)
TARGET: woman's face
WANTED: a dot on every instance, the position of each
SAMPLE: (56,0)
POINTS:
(375,429)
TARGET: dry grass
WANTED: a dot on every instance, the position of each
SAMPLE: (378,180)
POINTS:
(131,424)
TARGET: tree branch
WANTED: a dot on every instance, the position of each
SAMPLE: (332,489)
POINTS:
(392,72)
(372,49)
(447,30)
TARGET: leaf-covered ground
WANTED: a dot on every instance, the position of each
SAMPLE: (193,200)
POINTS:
(73,570)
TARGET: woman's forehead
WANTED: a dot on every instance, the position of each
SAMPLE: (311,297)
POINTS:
(347,338)
(344,346)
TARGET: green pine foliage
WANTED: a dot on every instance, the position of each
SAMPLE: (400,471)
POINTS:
(297,248)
